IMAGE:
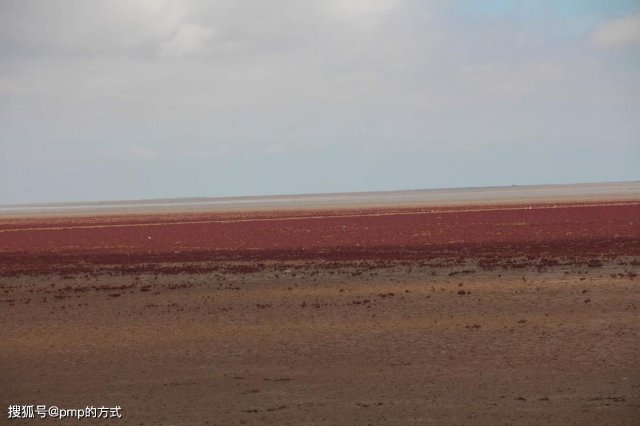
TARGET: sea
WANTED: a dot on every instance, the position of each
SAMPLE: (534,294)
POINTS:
(534,194)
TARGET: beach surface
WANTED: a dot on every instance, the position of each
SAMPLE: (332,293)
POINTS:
(500,309)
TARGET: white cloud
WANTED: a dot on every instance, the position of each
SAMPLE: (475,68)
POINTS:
(358,8)
(145,19)
(618,32)
(361,14)
(190,39)
(142,153)
(506,79)
(92,27)
(285,80)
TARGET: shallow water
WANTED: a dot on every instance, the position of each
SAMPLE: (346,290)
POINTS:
(428,197)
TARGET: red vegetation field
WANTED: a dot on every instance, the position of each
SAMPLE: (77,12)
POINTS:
(492,235)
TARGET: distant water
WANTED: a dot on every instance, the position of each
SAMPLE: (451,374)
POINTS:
(427,197)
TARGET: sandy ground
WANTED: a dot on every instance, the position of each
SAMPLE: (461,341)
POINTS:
(347,345)
(469,315)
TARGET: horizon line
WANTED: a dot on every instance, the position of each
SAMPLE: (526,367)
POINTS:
(200,199)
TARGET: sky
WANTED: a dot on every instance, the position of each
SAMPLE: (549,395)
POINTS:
(142,99)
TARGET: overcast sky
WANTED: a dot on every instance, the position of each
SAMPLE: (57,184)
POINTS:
(125,99)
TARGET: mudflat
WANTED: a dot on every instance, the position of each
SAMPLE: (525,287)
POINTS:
(468,314)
